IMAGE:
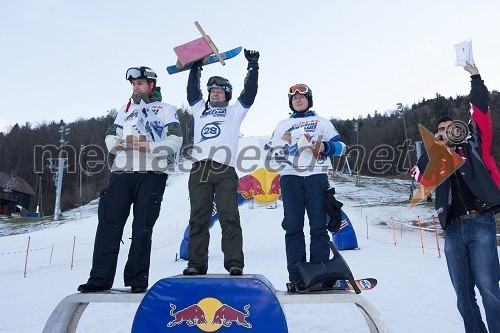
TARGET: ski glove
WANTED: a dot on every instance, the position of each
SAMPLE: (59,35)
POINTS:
(198,63)
(253,58)
(333,208)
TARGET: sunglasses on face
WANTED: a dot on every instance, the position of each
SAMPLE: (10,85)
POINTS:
(298,88)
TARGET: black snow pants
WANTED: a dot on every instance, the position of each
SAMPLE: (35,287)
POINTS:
(209,178)
(145,191)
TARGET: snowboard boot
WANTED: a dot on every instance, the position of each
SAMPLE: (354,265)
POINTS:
(137,289)
(235,271)
(295,286)
(193,271)
(90,288)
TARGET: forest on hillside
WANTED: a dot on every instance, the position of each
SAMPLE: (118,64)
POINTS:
(376,147)
(31,152)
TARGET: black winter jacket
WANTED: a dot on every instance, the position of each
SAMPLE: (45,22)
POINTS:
(479,172)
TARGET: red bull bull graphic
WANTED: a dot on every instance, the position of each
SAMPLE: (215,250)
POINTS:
(249,186)
(209,304)
(227,315)
(192,315)
(261,185)
(275,186)
(209,315)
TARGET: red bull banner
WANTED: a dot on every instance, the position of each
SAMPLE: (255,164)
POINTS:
(261,185)
(212,303)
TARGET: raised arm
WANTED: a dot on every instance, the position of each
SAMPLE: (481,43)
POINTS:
(193,87)
(479,96)
(480,124)
(247,96)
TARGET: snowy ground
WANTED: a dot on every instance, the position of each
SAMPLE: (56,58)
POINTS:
(413,294)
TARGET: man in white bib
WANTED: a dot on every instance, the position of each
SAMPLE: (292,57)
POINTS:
(143,136)
(216,136)
(302,143)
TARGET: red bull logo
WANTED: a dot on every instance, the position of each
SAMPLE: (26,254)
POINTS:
(261,185)
(275,186)
(249,187)
(227,315)
(214,303)
(209,315)
(192,315)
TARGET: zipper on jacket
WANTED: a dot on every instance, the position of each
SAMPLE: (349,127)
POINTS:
(460,192)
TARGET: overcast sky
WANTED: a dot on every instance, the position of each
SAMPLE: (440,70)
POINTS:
(67,59)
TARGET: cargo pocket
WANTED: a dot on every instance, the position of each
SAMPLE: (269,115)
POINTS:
(101,208)
(154,206)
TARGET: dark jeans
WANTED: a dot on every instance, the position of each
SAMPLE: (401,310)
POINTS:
(209,178)
(145,191)
(472,258)
(301,194)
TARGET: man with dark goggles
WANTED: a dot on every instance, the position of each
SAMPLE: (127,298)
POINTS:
(221,83)
(135,73)
(216,135)
(216,80)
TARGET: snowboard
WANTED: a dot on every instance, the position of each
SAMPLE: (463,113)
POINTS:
(363,284)
(207,61)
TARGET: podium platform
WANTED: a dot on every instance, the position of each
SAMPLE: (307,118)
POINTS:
(207,303)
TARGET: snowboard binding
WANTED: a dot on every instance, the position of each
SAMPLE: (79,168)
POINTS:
(322,275)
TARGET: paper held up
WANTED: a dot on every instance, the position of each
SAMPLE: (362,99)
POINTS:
(464,53)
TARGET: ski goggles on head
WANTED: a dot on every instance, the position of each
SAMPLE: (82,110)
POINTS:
(298,88)
(219,82)
(216,81)
(134,73)
(223,87)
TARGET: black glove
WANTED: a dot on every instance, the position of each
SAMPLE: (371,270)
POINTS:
(333,208)
(198,63)
(253,58)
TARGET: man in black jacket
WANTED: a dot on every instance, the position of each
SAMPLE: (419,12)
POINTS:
(466,203)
